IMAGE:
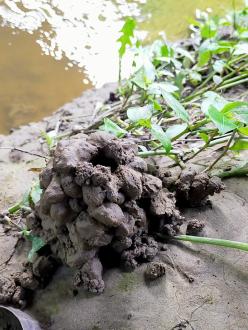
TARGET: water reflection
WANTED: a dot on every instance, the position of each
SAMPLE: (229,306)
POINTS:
(84,32)
(79,39)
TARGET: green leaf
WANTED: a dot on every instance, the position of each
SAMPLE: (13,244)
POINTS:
(127,33)
(208,30)
(111,127)
(238,109)
(217,79)
(204,57)
(175,130)
(50,138)
(161,136)
(195,78)
(209,48)
(24,202)
(176,106)
(156,105)
(241,48)
(240,144)
(204,137)
(35,193)
(158,88)
(223,123)
(135,114)
(219,66)
(37,244)
(185,53)
(140,79)
(212,99)
(243,130)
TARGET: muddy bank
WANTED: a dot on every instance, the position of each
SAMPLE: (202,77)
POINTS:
(198,281)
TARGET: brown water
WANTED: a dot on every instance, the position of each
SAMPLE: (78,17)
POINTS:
(52,50)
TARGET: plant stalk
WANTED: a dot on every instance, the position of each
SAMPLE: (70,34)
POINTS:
(213,241)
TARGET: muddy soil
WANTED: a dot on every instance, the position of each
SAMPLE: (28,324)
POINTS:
(201,287)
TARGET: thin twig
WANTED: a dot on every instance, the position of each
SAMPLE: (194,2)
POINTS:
(24,151)
(223,153)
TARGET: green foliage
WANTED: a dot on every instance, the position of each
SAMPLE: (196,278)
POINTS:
(139,114)
(221,121)
(37,243)
(240,144)
(161,136)
(111,127)
(177,92)
(127,32)
(29,199)
(176,106)
(50,138)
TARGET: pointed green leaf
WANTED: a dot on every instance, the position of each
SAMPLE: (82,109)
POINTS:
(37,244)
(212,99)
(238,109)
(136,114)
(158,88)
(127,33)
(161,136)
(218,66)
(240,144)
(204,137)
(223,123)
(174,130)
(176,106)
(140,79)
(111,127)
(35,192)
(241,48)
(243,130)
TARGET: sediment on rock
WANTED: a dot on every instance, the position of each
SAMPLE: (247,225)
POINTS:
(97,194)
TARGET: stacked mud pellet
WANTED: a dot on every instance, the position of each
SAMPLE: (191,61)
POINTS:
(97,194)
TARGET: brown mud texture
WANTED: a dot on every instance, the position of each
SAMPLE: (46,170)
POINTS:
(100,204)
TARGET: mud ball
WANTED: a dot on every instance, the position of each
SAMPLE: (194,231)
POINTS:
(155,270)
(194,227)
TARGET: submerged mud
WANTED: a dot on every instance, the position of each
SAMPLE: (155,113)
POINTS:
(98,196)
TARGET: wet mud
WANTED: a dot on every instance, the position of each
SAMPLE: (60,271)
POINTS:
(98,196)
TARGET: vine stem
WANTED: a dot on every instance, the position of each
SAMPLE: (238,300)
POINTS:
(201,149)
(223,153)
(213,241)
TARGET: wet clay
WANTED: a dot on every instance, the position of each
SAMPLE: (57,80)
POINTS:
(97,193)
(192,189)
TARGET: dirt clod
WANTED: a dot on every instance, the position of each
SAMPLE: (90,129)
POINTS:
(194,227)
(97,194)
(155,270)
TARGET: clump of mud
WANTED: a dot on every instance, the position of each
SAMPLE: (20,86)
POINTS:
(98,196)
(155,270)
(192,189)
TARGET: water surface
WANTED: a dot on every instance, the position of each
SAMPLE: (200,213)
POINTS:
(52,50)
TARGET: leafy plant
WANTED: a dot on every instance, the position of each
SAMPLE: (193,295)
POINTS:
(37,243)
(30,198)
(125,39)
(176,93)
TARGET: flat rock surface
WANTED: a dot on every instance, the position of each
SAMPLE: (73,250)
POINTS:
(205,287)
